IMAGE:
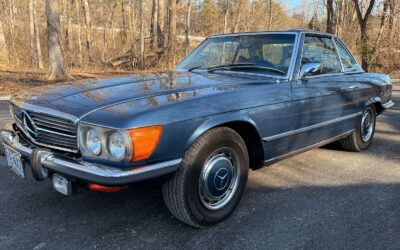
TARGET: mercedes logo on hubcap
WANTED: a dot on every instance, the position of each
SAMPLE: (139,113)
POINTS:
(29,126)
(221,179)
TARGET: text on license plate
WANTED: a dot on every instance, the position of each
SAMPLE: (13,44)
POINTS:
(14,161)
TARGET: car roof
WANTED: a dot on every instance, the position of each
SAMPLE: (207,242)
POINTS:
(298,31)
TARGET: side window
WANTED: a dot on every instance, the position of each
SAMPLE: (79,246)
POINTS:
(348,62)
(321,50)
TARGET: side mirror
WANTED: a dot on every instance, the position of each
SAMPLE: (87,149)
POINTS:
(310,68)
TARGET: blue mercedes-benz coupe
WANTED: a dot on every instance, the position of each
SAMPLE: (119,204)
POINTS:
(237,102)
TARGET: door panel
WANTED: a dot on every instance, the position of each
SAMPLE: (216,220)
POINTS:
(326,100)
(324,105)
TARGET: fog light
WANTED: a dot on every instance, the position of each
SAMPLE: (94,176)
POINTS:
(62,185)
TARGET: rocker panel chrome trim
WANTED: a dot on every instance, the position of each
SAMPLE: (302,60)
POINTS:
(301,130)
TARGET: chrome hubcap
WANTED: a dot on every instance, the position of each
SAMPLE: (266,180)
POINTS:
(219,178)
(367,125)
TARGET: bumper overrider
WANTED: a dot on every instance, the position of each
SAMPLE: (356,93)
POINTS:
(45,163)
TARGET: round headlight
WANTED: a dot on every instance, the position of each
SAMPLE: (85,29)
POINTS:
(93,141)
(117,146)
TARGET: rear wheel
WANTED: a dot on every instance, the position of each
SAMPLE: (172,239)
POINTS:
(362,137)
(211,179)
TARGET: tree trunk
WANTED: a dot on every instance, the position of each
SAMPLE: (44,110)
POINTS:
(363,21)
(106,27)
(13,12)
(37,37)
(56,63)
(172,33)
(270,15)
(3,48)
(160,25)
(330,12)
(167,24)
(187,28)
(154,24)
(68,30)
(382,26)
(235,27)
(32,34)
(78,18)
(141,35)
(394,11)
(88,25)
(228,6)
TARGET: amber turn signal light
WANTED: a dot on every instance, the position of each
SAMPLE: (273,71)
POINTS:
(144,141)
(105,189)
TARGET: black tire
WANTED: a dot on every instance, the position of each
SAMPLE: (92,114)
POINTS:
(183,193)
(355,141)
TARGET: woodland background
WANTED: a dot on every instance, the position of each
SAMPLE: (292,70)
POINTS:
(48,40)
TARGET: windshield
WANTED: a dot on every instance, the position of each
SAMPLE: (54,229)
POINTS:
(265,53)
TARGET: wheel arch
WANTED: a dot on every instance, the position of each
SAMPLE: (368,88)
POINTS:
(244,126)
(377,103)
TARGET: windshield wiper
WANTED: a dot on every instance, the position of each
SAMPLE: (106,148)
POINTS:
(193,68)
(244,65)
(230,65)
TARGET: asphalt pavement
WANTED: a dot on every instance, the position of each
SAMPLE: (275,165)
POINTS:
(326,198)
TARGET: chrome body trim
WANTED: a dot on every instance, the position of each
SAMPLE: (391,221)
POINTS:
(55,133)
(76,168)
(388,104)
(288,76)
(44,111)
(316,145)
(337,54)
(301,130)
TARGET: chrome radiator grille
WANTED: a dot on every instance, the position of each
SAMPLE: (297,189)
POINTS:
(47,130)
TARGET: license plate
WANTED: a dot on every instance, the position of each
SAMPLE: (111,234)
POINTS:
(14,161)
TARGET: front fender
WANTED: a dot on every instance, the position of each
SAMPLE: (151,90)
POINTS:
(377,101)
(218,121)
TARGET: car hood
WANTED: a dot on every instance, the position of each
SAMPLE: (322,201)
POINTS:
(82,98)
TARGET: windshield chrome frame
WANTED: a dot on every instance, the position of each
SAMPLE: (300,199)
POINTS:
(289,73)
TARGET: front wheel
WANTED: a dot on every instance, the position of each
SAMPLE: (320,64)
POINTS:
(362,137)
(211,179)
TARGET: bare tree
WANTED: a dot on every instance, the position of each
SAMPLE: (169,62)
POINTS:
(330,16)
(37,37)
(68,30)
(154,24)
(107,27)
(88,27)
(270,4)
(13,12)
(394,6)
(3,48)
(235,27)
(172,32)
(160,24)
(78,17)
(363,22)
(226,15)
(382,25)
(187,27)
(141,35)
(32,33)
(56,63)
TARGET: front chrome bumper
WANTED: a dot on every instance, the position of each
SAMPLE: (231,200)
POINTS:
(81,170)
(388,105)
